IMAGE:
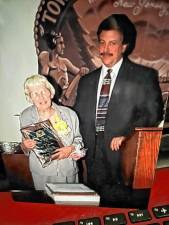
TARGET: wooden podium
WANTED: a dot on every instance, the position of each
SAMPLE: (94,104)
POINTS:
(139,157)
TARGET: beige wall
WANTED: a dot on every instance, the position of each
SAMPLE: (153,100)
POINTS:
(17,60)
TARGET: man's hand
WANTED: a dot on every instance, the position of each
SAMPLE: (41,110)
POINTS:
(116,143)
(62,153)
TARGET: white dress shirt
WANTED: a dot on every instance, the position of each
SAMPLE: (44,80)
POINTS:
(114,73)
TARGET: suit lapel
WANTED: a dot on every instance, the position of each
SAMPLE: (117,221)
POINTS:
(94,86)
(121,78)
(93,94)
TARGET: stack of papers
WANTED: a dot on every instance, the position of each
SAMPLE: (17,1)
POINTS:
(72,194)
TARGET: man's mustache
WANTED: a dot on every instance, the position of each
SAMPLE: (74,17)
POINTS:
(106,54)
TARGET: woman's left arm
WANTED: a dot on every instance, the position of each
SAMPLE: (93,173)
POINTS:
(79,149)
(75,149)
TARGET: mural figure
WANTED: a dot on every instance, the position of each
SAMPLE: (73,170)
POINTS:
(53,64)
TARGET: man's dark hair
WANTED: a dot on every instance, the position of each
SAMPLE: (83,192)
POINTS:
(123,24)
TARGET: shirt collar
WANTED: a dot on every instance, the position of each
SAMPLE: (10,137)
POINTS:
(115,68)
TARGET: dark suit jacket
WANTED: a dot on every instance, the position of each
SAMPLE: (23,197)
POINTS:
(136,101)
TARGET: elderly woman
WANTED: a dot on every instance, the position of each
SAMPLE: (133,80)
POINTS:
(63,167)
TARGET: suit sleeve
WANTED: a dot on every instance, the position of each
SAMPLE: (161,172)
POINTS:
(150,110)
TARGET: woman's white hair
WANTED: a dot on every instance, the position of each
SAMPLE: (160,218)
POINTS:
(36,80)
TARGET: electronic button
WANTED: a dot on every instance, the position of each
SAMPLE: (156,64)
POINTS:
(115,219)
(90,221)
(161,211)
(139,216)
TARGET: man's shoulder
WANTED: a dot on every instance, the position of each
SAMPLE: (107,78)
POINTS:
(93,72)
(140,67)
(91,75)
(44,55)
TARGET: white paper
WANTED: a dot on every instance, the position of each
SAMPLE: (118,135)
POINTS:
(69,188)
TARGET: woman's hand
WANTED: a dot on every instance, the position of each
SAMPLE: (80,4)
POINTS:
(62,153)
(75,156)
(28,144)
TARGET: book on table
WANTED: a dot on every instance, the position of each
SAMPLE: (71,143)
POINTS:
(47,140)
(72,194)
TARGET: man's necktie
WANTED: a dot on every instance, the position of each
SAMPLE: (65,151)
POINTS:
(103,102)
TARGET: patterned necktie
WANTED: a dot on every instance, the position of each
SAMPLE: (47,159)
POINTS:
(103,102)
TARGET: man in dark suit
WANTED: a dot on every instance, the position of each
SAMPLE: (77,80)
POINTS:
(135,100)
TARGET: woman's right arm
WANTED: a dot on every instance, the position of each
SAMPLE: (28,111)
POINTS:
(79,149)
